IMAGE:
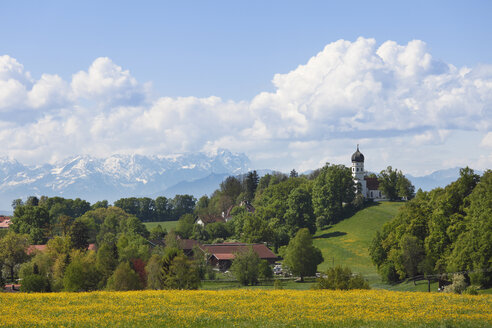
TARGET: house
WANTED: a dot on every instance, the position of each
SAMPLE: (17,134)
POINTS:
(206,219)
(5,222)
(247,205)
(222,255)
(188,246)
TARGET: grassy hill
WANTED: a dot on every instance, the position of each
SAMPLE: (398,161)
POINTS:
(346,243)
(168,225)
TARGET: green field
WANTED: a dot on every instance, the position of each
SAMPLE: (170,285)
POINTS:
(168,225)
(346,243)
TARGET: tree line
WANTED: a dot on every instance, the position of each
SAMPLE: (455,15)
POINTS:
(45,217)
(444,230)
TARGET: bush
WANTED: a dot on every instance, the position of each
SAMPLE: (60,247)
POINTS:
(265,270)
(388,273)
(278,284)
(81,274)
(471,290)
(322,222)
(124,278)
(35,283)
(458,286)
(341,278)
(182,274)
(210,273)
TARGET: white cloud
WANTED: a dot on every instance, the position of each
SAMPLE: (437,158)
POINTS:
(50,92)
(108,83)
(389,97)
(487,140)
(12,94)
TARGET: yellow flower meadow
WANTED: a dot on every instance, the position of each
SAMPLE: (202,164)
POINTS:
(245,308)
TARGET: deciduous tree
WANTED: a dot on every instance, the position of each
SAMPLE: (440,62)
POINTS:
(245,267)
(301,256)
(13,249)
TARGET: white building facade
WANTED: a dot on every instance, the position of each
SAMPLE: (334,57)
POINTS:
(368,187)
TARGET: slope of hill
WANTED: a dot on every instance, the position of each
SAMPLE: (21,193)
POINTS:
(346,243)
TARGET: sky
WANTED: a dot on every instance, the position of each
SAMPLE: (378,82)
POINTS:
(290,84)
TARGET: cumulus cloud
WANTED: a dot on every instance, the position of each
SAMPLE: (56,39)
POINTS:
(108,83)
(388,95)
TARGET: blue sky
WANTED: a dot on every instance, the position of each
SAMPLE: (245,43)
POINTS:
(166,60)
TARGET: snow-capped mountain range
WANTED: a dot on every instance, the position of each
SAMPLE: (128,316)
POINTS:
(116,176)
(120,176)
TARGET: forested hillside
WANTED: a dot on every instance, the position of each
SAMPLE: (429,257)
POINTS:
(442,231)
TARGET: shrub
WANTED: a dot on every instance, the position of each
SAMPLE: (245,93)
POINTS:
(81,274)
(278,284)
(471,290)
(124,278)
(265,270)
(182,274)
(35,283)
(388,272)
(341,278)
(458,286)
(321,222)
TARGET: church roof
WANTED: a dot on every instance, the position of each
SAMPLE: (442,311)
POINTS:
(357,156)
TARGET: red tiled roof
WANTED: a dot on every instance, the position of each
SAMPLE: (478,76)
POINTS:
(227,250)
(186,244)
(224,256)
(5,222)
(372,183)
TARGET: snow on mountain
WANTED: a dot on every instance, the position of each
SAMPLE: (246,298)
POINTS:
(113,177)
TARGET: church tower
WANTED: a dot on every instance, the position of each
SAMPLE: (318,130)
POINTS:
(358,172)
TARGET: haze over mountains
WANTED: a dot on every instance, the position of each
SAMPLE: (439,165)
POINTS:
(120,176)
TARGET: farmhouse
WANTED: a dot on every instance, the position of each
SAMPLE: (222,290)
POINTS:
(247,205)
(206,219)
(222,255)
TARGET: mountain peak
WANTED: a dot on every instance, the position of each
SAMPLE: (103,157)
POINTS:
(113,177)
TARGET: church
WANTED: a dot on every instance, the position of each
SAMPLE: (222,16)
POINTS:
(367,186)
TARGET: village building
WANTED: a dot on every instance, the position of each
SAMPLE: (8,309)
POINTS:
(203,220)
(222,255)
(5,222)
(367,186)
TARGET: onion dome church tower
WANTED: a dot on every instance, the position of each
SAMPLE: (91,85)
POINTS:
(358,172)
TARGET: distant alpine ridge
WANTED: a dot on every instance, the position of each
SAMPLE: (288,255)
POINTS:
(120,176)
